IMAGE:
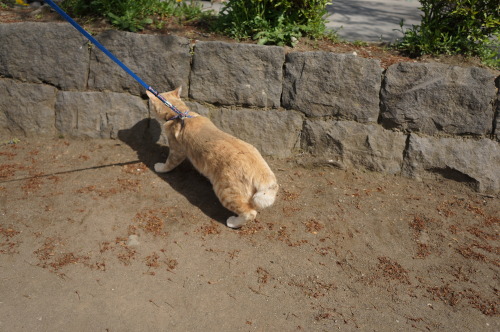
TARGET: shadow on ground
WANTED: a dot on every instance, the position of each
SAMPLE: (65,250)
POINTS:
(184,179)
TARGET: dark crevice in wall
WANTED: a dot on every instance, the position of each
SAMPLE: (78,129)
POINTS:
(406,151)
(381,106)
(385,123)
(192,50)
(302,137)
(496,112)
(283,71)
(87,75)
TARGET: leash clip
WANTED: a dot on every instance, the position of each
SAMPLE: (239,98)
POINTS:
(180,116)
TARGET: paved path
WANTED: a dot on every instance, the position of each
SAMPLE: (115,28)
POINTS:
(366,20)
(372,20)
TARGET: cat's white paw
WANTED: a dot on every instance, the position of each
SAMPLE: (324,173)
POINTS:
(235,222)
(160,168)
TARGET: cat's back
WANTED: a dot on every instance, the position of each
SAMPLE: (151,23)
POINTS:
(203,136)
(209,147)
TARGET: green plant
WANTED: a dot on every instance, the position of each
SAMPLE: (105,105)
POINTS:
(11,141)
(466,27)
(133,15)
(189,10)
(184,10)
(359,43)
(332,36)
(129,21)
(4,4)
(279,22)
(280,34)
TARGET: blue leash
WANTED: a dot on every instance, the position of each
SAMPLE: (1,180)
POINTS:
(180,115)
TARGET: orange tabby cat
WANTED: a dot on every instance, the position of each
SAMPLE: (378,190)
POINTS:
(241,178)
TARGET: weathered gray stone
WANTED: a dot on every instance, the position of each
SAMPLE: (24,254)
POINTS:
(97,114)
(198,108)
(53,53)
(161,61)
(237,74)
(350,144)
(329,84)
(26,109)
(431,97)
(273,132)
(467,160)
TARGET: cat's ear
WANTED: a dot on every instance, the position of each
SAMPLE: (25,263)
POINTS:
(178,92)
(152,97)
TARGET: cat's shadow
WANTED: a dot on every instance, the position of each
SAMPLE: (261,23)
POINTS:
(184,179)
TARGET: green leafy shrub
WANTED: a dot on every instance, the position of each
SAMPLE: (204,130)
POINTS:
(466,27)
(133,15)
(278,22)
(7,3)
(129,21)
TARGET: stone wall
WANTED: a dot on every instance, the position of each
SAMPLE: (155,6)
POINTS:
(413,119)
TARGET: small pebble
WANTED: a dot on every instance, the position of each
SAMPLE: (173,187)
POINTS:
(133,240)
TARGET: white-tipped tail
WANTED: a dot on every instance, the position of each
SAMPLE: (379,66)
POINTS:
(265,197)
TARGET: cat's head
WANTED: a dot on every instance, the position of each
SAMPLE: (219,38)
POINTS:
(162,112)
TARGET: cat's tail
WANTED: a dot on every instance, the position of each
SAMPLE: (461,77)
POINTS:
(265,196)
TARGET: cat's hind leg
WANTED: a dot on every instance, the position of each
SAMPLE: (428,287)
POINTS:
(241,219)
(236,200)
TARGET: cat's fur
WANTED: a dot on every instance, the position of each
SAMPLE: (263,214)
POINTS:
(241,178)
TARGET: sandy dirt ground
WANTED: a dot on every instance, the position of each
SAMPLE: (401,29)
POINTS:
(91,239)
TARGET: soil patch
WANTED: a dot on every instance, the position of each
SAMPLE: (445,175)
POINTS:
(91,236)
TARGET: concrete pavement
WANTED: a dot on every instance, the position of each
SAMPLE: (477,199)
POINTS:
(372,20)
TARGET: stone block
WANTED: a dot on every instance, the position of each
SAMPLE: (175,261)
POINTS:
(160,61)
(431,98)
(52,53)
(237,74)
(329,84)
(476,162)
(26,109)
(348,144)
(97,114)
